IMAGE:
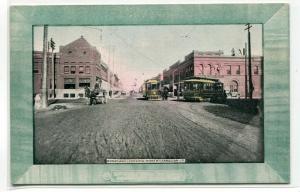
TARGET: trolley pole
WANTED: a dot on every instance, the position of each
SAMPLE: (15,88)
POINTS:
(249,62)
(44,77)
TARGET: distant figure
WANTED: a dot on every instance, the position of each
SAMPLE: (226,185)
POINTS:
(165,93)
(97,86)
(87,91)
(232,52)
(110,93)
(38,101)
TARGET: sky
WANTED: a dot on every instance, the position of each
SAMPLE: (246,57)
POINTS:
(137,53)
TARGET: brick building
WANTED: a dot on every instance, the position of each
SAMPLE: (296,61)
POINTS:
(77,64)
(38,71)
(230,70)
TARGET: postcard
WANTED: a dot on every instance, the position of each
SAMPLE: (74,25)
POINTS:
(146,96)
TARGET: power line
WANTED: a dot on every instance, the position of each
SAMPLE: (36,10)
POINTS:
(136,51)
(127,44)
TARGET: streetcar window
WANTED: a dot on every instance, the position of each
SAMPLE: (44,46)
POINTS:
(194,87)
(200,86)
(153,86)
(207,86)
(218,86)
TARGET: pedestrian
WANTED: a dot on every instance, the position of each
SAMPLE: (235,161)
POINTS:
(110,93)
(97,86)
(38,101)
(165,93)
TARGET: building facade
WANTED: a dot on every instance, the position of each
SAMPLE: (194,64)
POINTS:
(38,71)
(77,65)
(232,71)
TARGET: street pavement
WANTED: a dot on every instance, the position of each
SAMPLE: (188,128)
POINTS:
(130,128)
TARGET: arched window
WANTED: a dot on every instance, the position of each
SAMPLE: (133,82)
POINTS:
(234,86)
(210,69)
(201,69)
(218,69)
(256,70)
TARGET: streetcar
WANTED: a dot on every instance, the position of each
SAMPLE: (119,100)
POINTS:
(202,88)
(151,90)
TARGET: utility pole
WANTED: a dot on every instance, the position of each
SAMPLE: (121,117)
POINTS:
(113,62)
(109,64)
(246,79)
(52,45)
(178,88)
(248,26)
(173,84)
(44,77)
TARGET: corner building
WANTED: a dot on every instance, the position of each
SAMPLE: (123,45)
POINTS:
(80,66)
(77,65)
(230,70)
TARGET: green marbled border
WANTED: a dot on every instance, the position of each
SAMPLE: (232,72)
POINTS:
(275,20)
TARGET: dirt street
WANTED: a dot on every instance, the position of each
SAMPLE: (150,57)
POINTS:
(131,128)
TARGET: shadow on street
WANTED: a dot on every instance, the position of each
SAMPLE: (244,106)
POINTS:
(234,114)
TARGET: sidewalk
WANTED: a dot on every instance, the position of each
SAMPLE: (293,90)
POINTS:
(63,104)
(118,96)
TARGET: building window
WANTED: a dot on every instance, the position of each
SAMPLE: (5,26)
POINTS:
(66,95)
(228,70)
(256,70)
(72,95)
(87,69)
(69,83)
(81,69)
(201,70)
(73,69)
(234,86)
(84,82)
(238,71)
(66,69)
(84,52)
(70,52)
(210,68)
(35,71)
(218,69)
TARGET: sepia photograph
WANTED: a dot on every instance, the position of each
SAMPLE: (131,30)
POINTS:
(148,94)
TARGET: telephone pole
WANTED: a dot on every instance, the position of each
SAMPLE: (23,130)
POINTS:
(52,45)
(246,79)
(44,77)
(179,88)
(248,26)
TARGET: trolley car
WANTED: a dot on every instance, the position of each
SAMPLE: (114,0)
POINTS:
(152,90)
(201,88)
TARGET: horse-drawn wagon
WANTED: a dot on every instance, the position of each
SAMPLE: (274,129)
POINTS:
(96,96)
